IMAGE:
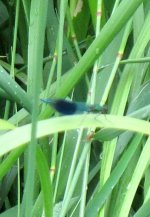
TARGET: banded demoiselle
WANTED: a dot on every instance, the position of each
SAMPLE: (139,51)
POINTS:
(66,107)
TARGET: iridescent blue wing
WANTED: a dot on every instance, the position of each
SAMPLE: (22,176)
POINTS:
(63,106)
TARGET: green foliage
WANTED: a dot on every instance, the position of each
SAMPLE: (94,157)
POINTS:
(79,165)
